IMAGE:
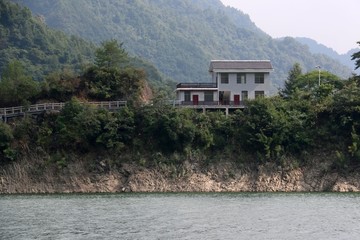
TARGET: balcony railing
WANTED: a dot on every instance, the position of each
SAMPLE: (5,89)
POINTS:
(210,103)
(196,85)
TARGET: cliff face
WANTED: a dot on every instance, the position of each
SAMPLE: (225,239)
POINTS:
(189,177)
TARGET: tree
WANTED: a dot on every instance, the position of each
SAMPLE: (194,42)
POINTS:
(117,129)
(271,127)
(114,84)
(290,83)
(111,54)
(61,85)
(308,84)
(15,86)
(77,126)
(345,107)
(356,57)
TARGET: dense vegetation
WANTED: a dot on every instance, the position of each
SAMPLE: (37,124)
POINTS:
(112,77)
(305,117)
(180,36)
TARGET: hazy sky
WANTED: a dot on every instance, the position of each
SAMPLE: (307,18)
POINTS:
(334,23)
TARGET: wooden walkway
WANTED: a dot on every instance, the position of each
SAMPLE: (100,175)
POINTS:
(10,112)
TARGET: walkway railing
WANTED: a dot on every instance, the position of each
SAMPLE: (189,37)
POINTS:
(9,112)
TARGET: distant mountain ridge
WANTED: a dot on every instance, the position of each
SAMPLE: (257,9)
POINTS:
(180,36)
(318,48)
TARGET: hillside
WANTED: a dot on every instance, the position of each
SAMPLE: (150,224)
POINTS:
(180,36)
(40,49)
(43,50)
(318,48)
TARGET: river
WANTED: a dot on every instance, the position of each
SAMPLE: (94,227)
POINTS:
(181,216)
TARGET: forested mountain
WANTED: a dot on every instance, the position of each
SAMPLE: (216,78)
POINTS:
(318,48)
(41,50)
(180,36)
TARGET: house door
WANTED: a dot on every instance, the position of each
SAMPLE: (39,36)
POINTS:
(196,99)
(236,99)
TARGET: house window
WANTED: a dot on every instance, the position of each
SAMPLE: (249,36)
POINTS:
(187,96)
(244,95)
(259,94)
(241,78)
(209,96)
(259,78)
(224,78)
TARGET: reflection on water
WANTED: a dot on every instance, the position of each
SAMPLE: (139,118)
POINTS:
(181,216)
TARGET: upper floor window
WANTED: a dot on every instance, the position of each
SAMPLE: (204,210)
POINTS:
(224,78)
(259,78)
(241,78)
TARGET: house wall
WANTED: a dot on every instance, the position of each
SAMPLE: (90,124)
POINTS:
(180,95)
(250,86)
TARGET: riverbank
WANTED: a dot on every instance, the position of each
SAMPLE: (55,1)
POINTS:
(190,176)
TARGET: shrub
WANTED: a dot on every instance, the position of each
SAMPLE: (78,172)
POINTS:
(6,138)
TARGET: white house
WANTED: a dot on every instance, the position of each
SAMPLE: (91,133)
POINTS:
(233,81)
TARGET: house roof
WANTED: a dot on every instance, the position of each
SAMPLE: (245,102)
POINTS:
(240,64)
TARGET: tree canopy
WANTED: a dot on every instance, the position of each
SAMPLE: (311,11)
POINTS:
(111,54)
(16,88)
(356,57)
(290,83)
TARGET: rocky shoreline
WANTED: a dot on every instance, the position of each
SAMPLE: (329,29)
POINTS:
(189,177)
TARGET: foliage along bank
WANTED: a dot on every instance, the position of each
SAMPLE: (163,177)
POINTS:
(301,120)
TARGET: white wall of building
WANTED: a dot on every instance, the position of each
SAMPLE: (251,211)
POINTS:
(250,85)
(232,86)
(180,95)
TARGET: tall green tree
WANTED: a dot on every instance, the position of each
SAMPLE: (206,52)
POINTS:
(290,84)
(111,54)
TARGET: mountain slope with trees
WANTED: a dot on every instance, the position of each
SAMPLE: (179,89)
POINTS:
(180,36)
(43,51)
(318,48)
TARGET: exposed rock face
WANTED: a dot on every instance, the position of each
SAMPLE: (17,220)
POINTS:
(146,93)
(190,177)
